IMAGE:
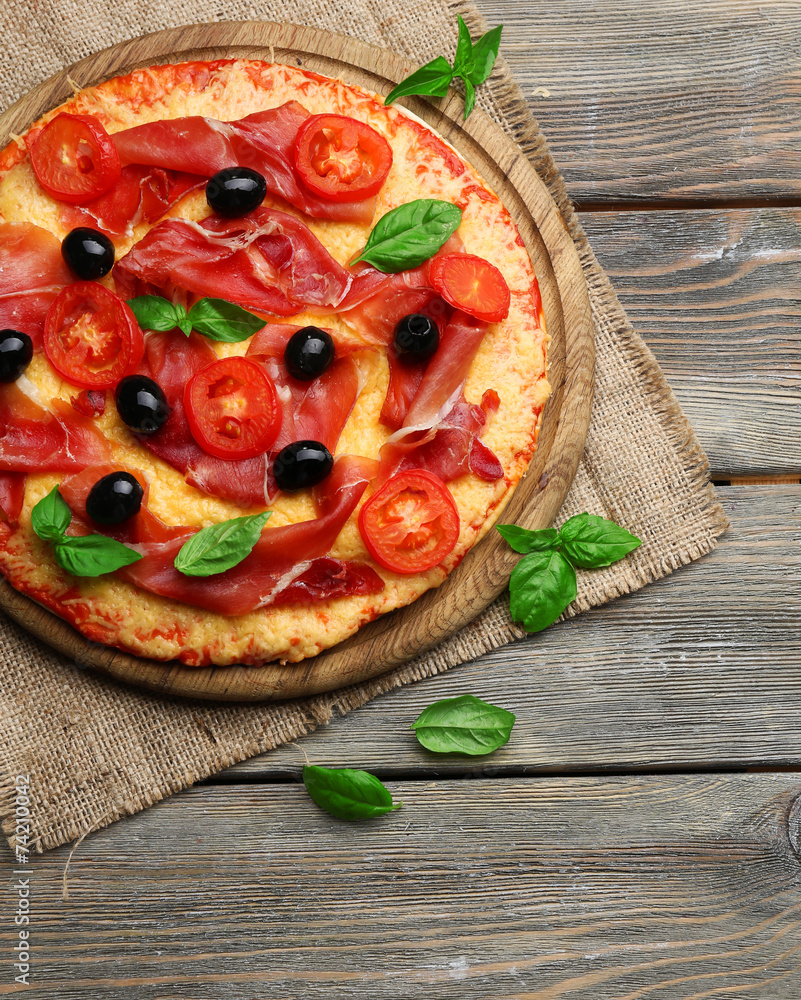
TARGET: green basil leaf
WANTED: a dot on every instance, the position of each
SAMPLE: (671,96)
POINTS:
(525,540)
(485,52)
(348,794)
(410,234)
(156,313)
(469,96)
(92,555)
(223,321)
(463,725)
(51,516)
(220,546)
(540,588)
(431,80)
(463,60)
(591,541)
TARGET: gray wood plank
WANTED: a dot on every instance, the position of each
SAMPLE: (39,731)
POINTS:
(717,296)
(701,669)
(662,99)
(677,886)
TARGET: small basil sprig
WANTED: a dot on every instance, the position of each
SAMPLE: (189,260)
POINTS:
(410,234)
(463,725)
(80,555)
(544,582)
(472,64)
(348,794)
(216,319)
(220,546)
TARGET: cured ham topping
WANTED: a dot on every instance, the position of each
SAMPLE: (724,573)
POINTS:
(32,273)
(142,194)
(34,439)
(270,569)
(278,559)
(268,261)
(264,141)
(12,494)
(450,449)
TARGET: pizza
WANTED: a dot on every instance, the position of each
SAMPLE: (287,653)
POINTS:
(318,432)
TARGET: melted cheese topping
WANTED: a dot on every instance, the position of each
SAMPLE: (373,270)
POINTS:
(512,360)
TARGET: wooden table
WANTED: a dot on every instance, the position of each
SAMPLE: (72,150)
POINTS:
(641,834)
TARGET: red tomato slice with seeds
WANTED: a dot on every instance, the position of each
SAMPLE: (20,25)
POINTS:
(411,523)
(340,158)
(471,284)
(74,158)
(91,336)
(232,409)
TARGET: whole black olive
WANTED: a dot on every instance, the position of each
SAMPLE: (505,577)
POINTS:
(308,353)
(114,498)
(141,403)
(301,465)
(88,253)
(235,191)
(16,351)
(416,334)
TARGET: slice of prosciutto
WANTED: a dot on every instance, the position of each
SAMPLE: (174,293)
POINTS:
(32,273)
(171,359)
(36,439)
(263,141)
(142,194)
(314,410)
(450,449)
(269,570)
(280,557)
(267,261)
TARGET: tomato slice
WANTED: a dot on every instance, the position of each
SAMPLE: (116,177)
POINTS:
(232,408)
(411,523)
(471,284)
(74,158)
(91,337)
(340,158)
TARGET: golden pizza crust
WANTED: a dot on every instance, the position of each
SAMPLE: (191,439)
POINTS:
(512,360)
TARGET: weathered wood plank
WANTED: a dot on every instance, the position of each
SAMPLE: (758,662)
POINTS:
(701,669)
(662,99)
(717,297)
(510,890)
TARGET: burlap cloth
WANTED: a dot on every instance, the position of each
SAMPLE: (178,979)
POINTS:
(96,750)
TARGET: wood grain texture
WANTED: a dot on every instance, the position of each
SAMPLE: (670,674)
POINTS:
(528,889)
(701,669)
(717,297)
(485,570)
(662,99)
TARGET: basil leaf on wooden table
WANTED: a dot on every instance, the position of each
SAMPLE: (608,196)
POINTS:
(591,542)
(224,321)
(348,794)
(153,312)
(463,725)
(540,588)
(81,555)
(410,234)
(51,516)
(92,555)
(484,54)
(220,546)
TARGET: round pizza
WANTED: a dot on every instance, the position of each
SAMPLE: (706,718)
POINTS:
(272,360)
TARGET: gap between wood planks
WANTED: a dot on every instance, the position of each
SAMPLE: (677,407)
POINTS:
(429,772)
(682,204)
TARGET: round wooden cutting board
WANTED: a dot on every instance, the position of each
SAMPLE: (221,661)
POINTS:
(484,572)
